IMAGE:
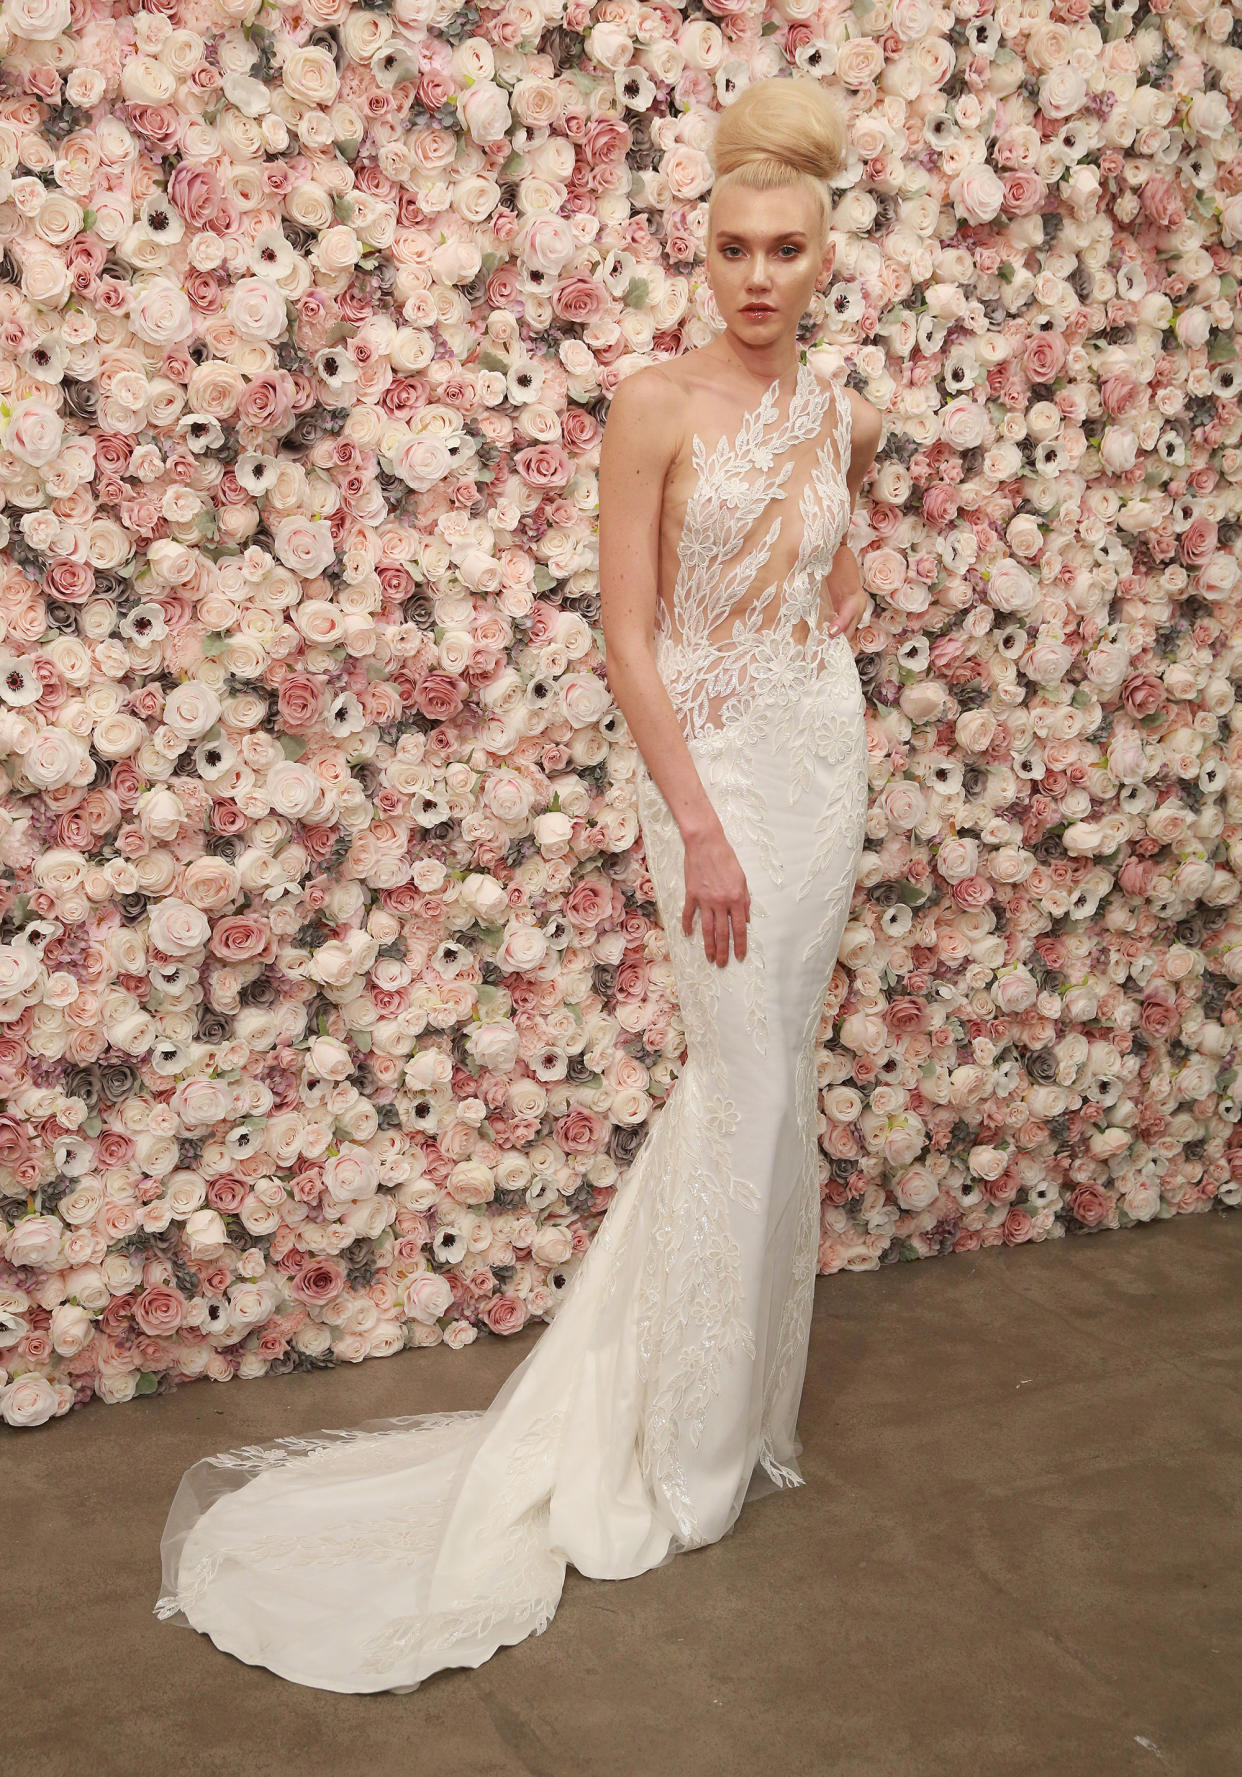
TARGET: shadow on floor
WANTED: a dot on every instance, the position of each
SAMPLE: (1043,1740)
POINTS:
(1018,1554)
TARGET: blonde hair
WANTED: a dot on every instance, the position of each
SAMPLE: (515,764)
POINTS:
(783,131)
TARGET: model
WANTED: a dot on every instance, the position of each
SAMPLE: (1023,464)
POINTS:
(664,1392)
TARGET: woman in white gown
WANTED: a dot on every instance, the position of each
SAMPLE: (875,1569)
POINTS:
(664,1392)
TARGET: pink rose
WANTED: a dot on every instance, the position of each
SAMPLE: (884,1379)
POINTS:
(1143,694)
(320,1281)
(1089,1204)
(439,696)
(1198,542)
(581,1131)
(1024,194)
(543,465)
(159,1310)
(267,400)
(241,938)
(195,189)
(505,1314)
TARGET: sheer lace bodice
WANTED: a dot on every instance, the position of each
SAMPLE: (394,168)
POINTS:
(746,632)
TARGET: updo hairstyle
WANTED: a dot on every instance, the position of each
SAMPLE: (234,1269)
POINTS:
(787,130)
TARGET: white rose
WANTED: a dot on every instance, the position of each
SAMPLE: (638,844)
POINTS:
(160,313)
(330,1058)
(915,1188)
(977,193)
(422,462)
(547,243)
(292,789)
(249,96)
(54,759)
(304,544)
(427,1296)
(310,75)
(1062,92)
(484,109)
(34,1242)
(19,969)
(144,81)
(205,1234)
(36,20)
(523,948)
(192,709)
(71,1329)
(610,46)
(584,698)
(494,1047)
(177,928)
(987,1162)
(257,309)
(351,1175)
(31,1400)
(486,898)
(553,832)
(34,431)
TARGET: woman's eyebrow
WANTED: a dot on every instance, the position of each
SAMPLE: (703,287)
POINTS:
(789,234)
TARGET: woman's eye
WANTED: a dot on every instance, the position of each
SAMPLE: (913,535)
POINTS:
(789,247)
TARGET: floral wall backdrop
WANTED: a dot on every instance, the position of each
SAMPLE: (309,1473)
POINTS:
(333,1001)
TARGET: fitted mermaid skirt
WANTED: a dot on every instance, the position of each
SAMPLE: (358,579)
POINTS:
(663,1394)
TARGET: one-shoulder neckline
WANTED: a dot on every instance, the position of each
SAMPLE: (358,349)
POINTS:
(766,406)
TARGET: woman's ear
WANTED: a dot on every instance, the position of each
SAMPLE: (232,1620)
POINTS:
(824,275)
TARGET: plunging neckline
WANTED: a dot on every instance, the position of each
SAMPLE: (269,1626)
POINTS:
(804,370)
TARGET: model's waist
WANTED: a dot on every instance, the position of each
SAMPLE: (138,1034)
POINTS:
(765,691)
(806,656)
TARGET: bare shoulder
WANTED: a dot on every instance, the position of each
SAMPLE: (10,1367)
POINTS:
(647,404)
(866,422)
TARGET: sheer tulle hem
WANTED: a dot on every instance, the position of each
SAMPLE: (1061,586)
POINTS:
(363,1644)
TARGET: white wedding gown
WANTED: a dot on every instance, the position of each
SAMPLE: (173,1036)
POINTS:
(664,1392)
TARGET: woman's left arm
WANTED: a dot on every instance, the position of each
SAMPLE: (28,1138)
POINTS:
(849,600)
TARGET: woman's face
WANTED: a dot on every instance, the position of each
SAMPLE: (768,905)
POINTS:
(764,249)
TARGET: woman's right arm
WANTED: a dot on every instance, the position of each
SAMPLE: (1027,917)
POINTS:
(638,445)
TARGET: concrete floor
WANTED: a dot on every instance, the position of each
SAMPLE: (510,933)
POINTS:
(1019,1554)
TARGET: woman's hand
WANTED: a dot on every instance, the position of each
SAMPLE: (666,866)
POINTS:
(846,593)
(846,614)
(716,886)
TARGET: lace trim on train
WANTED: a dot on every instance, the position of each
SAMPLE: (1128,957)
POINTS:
(527,1593)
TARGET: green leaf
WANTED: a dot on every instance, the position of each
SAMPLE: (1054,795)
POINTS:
(147,1383)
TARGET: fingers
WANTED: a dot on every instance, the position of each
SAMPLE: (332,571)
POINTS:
(740,916)
(717,920)
(718,923)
